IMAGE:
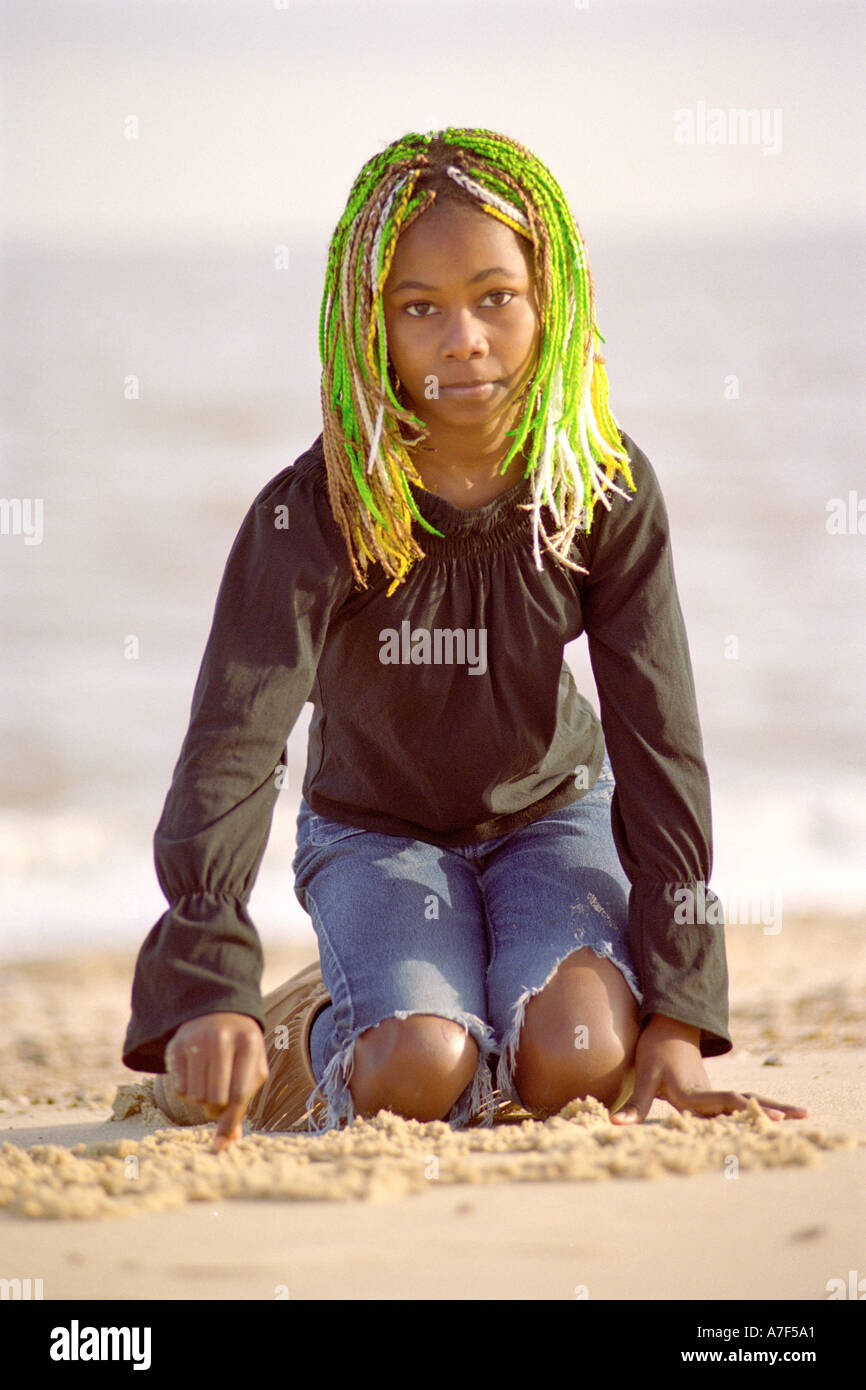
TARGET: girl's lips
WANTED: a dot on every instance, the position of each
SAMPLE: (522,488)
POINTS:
(478,388)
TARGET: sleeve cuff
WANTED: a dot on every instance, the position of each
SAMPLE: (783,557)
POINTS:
(203,956)
(677,938)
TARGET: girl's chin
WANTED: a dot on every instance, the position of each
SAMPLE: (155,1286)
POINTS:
(458,407)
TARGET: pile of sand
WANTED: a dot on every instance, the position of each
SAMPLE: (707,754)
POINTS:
(385,1157)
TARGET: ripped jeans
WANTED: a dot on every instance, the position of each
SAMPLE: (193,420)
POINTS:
(468,933)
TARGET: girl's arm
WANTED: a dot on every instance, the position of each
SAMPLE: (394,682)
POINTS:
(661,806)
(286,573)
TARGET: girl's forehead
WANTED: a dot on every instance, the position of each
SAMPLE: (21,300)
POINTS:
(458,229)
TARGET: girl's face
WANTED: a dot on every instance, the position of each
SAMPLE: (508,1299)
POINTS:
(461,317)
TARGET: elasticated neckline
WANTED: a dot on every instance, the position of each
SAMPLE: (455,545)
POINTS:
(499,521)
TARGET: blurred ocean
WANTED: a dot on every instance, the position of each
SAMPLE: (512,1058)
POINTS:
(738,368)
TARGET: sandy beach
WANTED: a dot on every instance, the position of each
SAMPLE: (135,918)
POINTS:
(102,1199)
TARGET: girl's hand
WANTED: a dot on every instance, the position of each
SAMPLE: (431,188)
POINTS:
(668,1064)
(219,1060)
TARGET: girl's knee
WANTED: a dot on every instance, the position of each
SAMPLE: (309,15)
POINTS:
(544,1088)
(417,1067)
(578,1037)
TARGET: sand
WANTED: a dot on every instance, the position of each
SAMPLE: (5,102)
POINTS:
(386,1157)
(741,1206)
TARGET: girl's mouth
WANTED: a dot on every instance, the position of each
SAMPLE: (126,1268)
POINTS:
(469,389)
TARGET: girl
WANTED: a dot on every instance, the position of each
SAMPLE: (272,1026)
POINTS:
(499,921)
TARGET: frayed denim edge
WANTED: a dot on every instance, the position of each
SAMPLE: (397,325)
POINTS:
(508,1053)
(476,1102)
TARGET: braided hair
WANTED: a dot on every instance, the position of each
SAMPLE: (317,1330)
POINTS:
(572,440)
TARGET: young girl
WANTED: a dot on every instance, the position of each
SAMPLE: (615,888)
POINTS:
(498,920)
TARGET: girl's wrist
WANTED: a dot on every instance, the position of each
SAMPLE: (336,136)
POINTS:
(674,1028)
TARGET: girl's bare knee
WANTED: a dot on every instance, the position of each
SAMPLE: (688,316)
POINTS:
(545,1088)
(417,1067)
(578,1037)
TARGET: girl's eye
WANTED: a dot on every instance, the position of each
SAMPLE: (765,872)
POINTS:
(425,304)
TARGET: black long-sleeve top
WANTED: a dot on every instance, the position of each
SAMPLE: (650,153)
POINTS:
(450,752)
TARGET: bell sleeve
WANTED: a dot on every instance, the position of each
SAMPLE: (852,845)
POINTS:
(283,579)
(660,814)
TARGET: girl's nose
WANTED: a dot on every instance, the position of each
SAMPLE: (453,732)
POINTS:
(464,336)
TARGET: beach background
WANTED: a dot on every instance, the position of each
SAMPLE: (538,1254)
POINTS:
(172,175)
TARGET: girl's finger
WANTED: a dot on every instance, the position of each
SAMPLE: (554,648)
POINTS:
(790,1112)
(197,1073)
(229,1126)
(176,1068)
(646,1088)
(220,1070)
(708,1102)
